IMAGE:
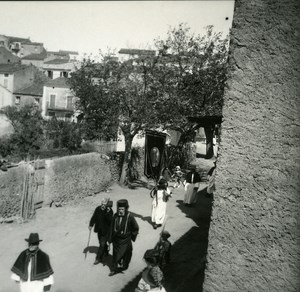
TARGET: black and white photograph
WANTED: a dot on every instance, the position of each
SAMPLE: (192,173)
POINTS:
(150,146)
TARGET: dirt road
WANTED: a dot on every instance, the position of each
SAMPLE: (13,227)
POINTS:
(64,231)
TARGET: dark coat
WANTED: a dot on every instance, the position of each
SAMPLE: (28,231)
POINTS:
(122,235)
(102,220)
(197,178)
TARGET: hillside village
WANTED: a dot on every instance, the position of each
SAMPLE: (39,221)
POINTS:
(29,74)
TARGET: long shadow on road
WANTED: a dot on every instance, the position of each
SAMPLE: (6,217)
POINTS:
(185,271)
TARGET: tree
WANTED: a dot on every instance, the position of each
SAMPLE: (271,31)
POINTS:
(192,76)
(185,80)
(63,134)
(27,123)
(116,94)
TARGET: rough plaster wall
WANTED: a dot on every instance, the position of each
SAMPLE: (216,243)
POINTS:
(254,234)
(76,176)
(11,186)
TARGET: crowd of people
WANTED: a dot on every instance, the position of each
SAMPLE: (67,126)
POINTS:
(33,271)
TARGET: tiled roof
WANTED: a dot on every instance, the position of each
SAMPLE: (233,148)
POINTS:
(60,82)
(35,89)
(8,54)
(17,39)
(57,61)
(57,53)
(37,44)
(137,52)
(40,56)
(11,68)
(68,52)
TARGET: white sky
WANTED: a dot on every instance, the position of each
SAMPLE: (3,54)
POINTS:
(87,26)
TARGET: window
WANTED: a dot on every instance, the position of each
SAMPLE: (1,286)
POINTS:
(18,99)
(36,100)
(1,43)
(50,74)
(5,83)
(69,102)
(51,114)
(68,116)
(63,74)
(6,75)
(52,100)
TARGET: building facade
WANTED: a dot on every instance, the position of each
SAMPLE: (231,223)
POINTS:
(58,100)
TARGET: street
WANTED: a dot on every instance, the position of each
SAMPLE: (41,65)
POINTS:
(64,231)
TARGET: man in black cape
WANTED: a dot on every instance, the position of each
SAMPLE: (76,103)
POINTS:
(124,230)
(32,268)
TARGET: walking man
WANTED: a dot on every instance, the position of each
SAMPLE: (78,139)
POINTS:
(32,268)
(101,219)
(124,229)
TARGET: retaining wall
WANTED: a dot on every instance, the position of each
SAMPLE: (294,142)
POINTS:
(11,185)
(74,177)
(64,179)
(254,234)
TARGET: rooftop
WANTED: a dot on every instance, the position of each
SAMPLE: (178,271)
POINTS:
(60,82)
(35,89)
(11,68)
(68,52)
(138,52)
(40,56)
(57,61)
(17,39)
(57,53)
(7,54)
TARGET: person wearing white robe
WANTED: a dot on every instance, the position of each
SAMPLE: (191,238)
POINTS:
(160,197)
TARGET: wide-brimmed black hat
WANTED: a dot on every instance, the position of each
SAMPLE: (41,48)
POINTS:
(33,238)
(122,203)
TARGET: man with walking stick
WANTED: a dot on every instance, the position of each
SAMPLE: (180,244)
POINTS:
(101,219)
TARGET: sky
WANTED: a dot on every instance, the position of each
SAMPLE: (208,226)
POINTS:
(87,26)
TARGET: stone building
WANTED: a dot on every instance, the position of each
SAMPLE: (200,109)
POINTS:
(254,230)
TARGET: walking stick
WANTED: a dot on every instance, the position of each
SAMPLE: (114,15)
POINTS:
(88,243)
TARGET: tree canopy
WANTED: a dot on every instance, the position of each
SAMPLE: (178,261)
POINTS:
(185,79)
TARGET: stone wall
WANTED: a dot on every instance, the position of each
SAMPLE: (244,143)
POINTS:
(11,186)
(254,233)
(63,180)
(76,176)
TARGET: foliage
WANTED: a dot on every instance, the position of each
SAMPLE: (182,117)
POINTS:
(191,76)
(28,128)
(186,79)
(178,155)
(115,94)
(63,134)
(6,147)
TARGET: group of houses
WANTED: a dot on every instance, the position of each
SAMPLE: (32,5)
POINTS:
(29,74)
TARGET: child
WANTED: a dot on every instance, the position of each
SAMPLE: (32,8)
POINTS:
(164,249)
(152,277)
(177,175)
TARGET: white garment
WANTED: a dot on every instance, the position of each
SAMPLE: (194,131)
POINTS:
(32,286)
(143,286)
(190,192)
(159,207)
